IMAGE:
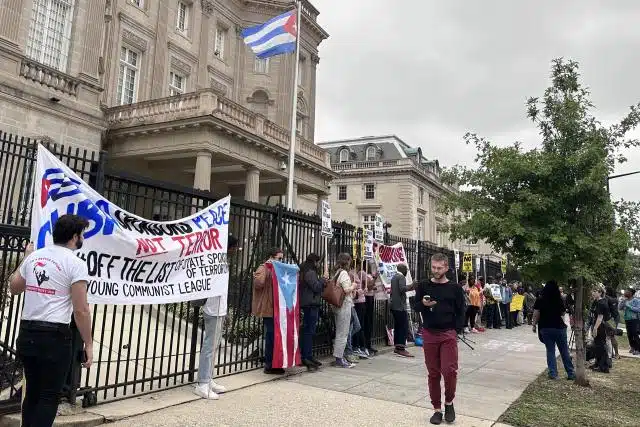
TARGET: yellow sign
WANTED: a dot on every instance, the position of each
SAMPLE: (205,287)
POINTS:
(355,249)
(503,264)
(467,263)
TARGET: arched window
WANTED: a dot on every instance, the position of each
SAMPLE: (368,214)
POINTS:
(260,102)
(344,155)
(371,153)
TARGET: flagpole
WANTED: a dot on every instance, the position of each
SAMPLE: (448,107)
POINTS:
(294,104)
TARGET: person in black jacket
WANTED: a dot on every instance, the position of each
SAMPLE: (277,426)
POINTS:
(441,305)
(311,287)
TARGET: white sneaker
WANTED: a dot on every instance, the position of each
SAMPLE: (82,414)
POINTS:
(217,388)
(205,392)
(475,331)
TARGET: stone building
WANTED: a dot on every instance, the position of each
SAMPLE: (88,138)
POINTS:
(168,88)
(383,174)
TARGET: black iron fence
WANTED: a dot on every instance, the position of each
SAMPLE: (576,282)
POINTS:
(144,348)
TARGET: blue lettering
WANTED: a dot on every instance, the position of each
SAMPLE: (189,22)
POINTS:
(46,228)
(102,222)
(214,218)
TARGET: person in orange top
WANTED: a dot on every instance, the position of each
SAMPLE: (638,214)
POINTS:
(473,308)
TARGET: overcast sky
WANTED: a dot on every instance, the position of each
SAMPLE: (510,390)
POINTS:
(431,70)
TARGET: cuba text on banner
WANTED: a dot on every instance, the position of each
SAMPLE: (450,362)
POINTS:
(132,260)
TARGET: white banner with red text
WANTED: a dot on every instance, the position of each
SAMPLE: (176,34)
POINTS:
(132,260)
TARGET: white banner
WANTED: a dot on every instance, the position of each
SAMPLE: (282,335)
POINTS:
(456,256)
(368,244)
(378,229)
(132,260)
(387,259)
(327,227)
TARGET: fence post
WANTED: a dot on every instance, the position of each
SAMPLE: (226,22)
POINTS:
(194,343)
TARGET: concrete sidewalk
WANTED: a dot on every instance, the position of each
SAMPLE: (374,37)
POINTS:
(386,390)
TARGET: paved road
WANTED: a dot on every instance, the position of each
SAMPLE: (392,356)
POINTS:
(386,391)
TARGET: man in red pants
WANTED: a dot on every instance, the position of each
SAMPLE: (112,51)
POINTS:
(441,304)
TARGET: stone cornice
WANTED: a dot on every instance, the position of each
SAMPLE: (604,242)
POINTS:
(393,171)
(173,47)
(126,19)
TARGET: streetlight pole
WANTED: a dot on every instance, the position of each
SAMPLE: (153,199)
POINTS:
(622,175)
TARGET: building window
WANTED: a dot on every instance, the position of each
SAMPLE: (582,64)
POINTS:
(260,102)
(261,65)
(127,79)
(344,155)
(138,3)
(420,229)
(421,197)
(182,19)
(342,192)
(221,38)
(177,84)
(368,222)
(370,153)
(50,32)
(369,191)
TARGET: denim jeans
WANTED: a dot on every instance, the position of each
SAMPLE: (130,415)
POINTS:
(354,328)
(46,357)
(553,337)
(209,349)
(268,341)
(310,320)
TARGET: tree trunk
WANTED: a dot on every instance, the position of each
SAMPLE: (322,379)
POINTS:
(581,374)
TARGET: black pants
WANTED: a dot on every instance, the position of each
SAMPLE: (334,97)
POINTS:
(367,323)
(400,328)
(514,318)
(633,332)
(600,349)
(472,312)
(358,340)
(46,356)
(504,308)
(493,316)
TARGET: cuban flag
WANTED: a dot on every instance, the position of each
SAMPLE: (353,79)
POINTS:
(286,315)
(275,37)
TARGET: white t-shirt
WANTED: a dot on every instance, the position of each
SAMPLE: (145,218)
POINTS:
(49,273)
(215,306)
(345,281)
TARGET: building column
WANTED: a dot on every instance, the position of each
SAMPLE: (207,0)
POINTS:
(202,178)
(203,49)
(252,186)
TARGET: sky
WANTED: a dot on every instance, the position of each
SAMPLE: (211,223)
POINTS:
(429,71)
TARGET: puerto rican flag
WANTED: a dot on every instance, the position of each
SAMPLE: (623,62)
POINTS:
(286,315)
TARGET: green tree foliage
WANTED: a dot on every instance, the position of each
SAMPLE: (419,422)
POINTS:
(549,207)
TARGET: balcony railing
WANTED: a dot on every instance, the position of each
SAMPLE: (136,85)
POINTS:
(50,77)
(385,164)
(207,102)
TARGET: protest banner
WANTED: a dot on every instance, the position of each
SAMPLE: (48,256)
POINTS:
(387,259)
(378,229)
(131,260)
(467,263)
(327,227)
(368,244)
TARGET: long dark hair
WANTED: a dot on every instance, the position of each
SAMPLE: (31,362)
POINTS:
(309,264)
(551,298)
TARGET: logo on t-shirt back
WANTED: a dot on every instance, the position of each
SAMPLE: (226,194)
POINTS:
(40,272)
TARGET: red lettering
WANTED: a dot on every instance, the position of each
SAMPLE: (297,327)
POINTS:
(199,241)
(158,241)
(180,239)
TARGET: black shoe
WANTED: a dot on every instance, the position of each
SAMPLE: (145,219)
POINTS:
(309,365)
(316,362)
(274,371)
(372,351)
(436,418)
(449,413)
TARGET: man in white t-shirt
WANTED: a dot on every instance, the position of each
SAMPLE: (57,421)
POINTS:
(214,312)
(54,282)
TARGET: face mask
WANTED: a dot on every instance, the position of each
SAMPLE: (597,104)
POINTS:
(79,243)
